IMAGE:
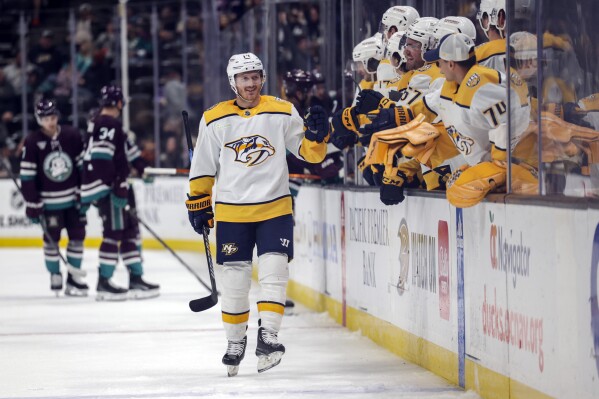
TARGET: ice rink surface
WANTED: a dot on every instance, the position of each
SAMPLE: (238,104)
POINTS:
(157,348)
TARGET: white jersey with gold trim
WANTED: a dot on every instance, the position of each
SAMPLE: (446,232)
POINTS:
(474,114)
(243,153)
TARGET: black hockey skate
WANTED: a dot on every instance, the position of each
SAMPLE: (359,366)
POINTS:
(268,350)
(75,286)
(108,292)
(234,355)
(56,282)
(140,289)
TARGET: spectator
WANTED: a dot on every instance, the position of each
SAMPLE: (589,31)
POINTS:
(106,42)
(8,99)
(12,71)
(46,56)
(175,94)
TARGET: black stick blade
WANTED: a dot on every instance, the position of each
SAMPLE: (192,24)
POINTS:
(201,304)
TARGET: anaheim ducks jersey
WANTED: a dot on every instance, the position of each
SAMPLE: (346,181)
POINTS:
(415,84)
(242,153)
(474,114)
(492,54)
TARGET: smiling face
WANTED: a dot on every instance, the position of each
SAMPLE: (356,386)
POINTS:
(248,86)
(413,53)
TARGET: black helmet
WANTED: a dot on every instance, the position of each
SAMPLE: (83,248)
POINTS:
(45,107)
(298,80)
(110,96)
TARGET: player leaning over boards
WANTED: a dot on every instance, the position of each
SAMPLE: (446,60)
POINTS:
(105,173)
(50,181)
(241,151)
(472,105)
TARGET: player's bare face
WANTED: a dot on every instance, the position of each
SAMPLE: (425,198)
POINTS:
(484,21)
(413,53)
(249,85)
(49,124)
(446,70)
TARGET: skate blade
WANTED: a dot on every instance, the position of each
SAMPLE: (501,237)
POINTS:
(266,362)
(140,294)
(111,297)
(57,292)
(232,371)
(74,291)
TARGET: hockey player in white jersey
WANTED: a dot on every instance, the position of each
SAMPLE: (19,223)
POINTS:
(472,105)
(492,18)
(241,150)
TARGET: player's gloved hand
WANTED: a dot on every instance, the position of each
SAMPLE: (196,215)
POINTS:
(349,119)
(341,137)
(387,118)
(368,100)
(34,213)
(199,211)
(373,174)
(391,192)
(117,201)
(316,124)
(574,114)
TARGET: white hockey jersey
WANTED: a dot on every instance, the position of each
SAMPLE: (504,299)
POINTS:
(242,152)
(474,114)
(492,54)
(415,84)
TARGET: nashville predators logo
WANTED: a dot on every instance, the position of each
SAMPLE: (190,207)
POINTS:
(252,150)
(229,249)
(473,80)
(463,143)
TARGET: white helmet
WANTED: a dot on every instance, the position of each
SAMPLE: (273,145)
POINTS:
(524,45)
(395,47)
(240,63)
(400,17)
(369,52)
(449,25)
(491,9)
(422,31)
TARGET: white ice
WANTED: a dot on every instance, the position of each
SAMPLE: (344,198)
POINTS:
(157,348)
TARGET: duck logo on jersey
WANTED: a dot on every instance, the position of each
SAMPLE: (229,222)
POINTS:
(252,150)
(58,166)
(463,143)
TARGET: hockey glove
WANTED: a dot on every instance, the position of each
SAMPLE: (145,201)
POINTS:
(199,210)
(370,100)
(34,213)
(372,173)
(392,188)
(118,202)
(574,114)
(316,124)
(387,118)
(341,137)
(349,119)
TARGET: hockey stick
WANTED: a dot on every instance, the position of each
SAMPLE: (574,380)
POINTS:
(201,304)
(134,215)
(70,268)
(166,171)
(304,176)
